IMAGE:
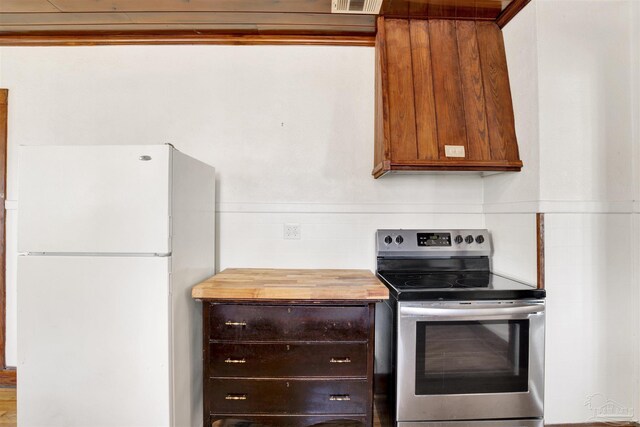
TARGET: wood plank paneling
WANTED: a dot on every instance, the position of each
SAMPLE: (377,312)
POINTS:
(500,118)
(447,85)
(450,9)
(415,8)
(402,116)
(461,97)
(381,130)
(426,127)
(438,9)
(473,91)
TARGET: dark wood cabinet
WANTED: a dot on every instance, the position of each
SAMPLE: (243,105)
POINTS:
(307,359)
(289,395)
(286,421)
(266,322)
(443,100)
(288,364)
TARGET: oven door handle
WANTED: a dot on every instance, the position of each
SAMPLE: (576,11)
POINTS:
(488,311)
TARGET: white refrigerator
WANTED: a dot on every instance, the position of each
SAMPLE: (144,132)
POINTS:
(111,239)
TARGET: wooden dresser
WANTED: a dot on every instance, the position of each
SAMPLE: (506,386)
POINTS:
(289,348)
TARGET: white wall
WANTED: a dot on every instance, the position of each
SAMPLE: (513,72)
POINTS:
(511,200)
(514,236)
(587,175)
(503,191)
(289,130)
(584,52)
(587,183)
(592,331)
(635,86)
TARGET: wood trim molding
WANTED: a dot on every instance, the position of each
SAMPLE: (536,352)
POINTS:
(8,377)
(4,98)
(540,248)
(168,38)
(510,11)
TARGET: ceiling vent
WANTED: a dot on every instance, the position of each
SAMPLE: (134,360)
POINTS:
(370,7)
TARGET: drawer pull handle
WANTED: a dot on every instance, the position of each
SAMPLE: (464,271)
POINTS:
(236,397)
(230,323)
(339,397)
(230,360)
(340,360)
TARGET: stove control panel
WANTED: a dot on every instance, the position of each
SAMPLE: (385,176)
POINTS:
(433,243)
(434,239)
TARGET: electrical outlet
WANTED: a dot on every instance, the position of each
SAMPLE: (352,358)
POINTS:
(292,231)
(454,151)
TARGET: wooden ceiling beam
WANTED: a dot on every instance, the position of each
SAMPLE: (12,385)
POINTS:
(510,12)
(177,38)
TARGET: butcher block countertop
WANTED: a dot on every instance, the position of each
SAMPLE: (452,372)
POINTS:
(285,284)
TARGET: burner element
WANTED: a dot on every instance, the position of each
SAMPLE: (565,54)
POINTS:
(425,280)
(472,283)
(440,280)
(428,283)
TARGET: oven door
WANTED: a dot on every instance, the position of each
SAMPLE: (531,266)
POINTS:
(470,360)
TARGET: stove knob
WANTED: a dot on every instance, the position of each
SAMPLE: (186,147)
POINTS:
(479,239)
(388,240)
(399,240)
(469,239)
(459,239)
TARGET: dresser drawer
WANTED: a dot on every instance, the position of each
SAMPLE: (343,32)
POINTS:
(239,322)
(279,397)
(285,421)
(287,360)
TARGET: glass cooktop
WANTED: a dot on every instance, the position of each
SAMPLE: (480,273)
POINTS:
(456,285)
(439,280)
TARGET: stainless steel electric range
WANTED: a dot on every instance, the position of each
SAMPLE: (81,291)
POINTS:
(462,346)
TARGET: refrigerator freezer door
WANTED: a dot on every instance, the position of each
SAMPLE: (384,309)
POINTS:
(94,199)
(93,339)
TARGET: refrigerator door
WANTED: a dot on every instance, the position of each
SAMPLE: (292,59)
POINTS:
(94,199)
(93,339)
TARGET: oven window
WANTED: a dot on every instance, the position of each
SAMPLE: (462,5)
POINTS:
(472,357)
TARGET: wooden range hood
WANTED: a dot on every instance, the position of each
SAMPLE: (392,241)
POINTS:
(443,101)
